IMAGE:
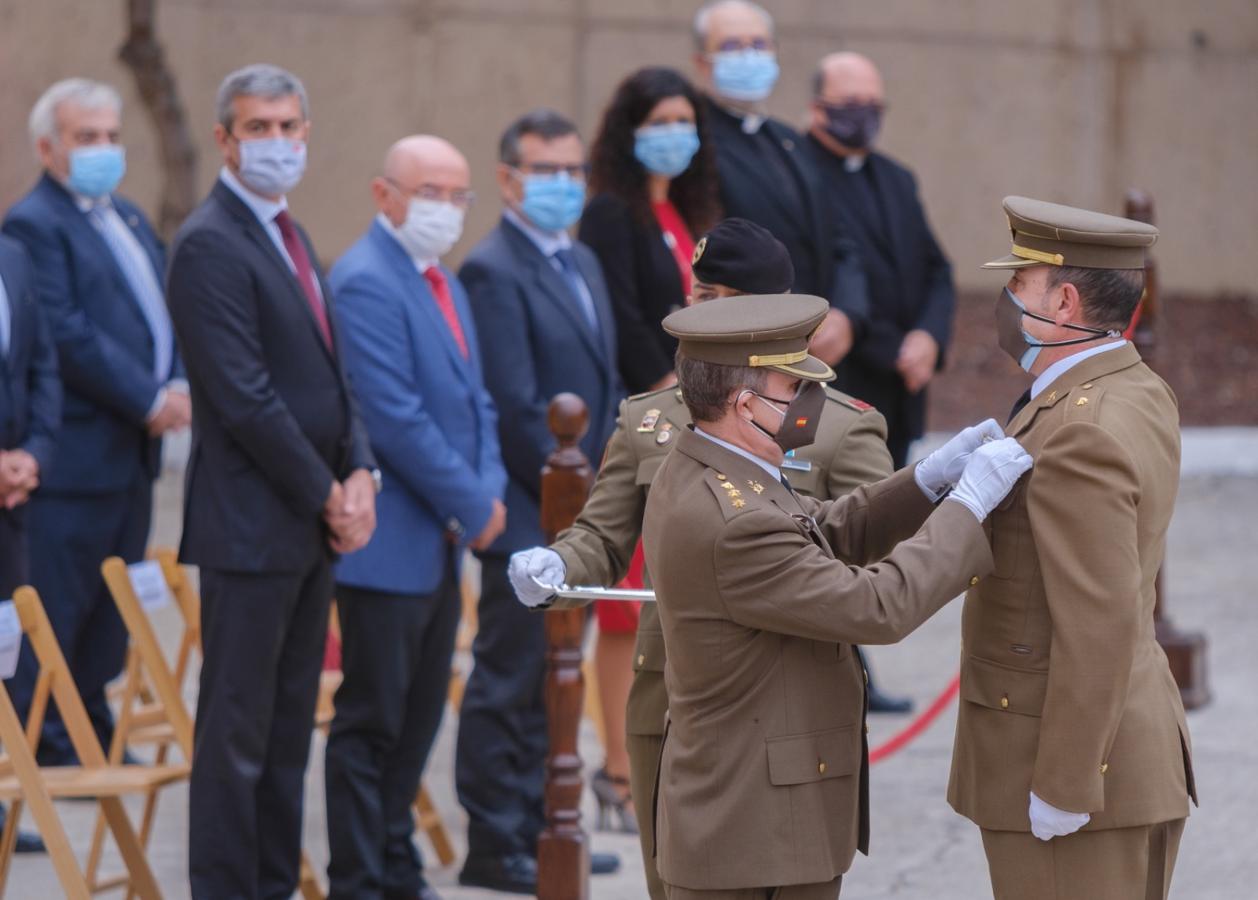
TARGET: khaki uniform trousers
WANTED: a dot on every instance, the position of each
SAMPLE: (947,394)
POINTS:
(644,765)
(827,891)
(1111,864)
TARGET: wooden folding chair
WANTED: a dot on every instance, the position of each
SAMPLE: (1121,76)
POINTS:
(151,710)
(94,778)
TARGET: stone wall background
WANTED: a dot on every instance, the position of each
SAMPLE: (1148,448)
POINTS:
(1069,100)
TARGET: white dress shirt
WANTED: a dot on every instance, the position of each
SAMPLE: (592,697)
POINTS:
(773,471)
(264,211)
(550,243)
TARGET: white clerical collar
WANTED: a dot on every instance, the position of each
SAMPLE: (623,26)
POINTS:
(854,162)
(773,470)
(265,210)
(549,242)
(423,265)
(1062,366)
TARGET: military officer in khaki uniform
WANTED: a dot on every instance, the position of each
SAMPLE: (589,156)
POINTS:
(763,783)
(736,257)
(1072,754)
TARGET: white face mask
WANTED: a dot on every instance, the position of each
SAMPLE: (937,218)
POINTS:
(431,228)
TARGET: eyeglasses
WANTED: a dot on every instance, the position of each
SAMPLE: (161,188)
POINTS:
(731,44)
(460,198)
(848,104)
(576,172)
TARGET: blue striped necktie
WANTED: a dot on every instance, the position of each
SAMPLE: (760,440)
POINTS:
(138,270)
(580,291)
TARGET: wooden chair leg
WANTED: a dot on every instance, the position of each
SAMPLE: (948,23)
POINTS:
(141,875)
(432,825)
(8,841)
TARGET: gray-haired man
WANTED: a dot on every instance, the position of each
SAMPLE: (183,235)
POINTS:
(280,479)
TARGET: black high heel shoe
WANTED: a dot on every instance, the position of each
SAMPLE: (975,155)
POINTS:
(612,793)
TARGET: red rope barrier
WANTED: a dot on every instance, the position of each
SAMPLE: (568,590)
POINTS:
(898,741)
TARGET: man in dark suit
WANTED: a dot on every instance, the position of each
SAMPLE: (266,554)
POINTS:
(545,324)
(765,174)
(30,413)
(874,201)
(280,476)
(410,346)
(98,268)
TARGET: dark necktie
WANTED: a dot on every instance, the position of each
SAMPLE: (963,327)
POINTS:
(576,285)
(1018,404)
(441,291)
(305,273)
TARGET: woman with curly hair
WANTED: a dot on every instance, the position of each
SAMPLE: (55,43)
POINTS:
(653,185)
(653,189)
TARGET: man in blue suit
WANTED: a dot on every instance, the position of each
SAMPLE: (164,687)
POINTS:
(410,347)
(545,324)
(98,271)
(30,413)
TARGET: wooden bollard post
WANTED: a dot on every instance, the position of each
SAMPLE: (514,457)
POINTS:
(1185,651)
(563,852)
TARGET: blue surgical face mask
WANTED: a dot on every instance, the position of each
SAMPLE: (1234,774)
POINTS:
(272,166)
(552,202)
(1022,346)
(744,74)
(666,149)
(96,171)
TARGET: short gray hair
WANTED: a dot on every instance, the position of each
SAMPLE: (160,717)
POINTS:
(84,92)
(699,25)
(258,80)
(708,388)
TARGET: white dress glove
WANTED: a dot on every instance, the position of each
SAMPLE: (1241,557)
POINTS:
(537,562)
(990,474)
(942,469)
(1048,822)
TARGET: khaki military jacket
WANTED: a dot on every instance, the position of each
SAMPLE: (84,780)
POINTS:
(763,775)
(1064,689)
(850,450)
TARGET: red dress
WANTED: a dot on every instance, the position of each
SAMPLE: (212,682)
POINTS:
(618,616)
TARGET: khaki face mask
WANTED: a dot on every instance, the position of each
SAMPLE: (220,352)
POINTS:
(799,420)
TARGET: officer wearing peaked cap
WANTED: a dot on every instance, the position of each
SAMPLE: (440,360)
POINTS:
(736,256)
(763,781)
(1072,753)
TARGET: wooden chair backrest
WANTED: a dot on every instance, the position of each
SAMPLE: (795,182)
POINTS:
(52,665)
(34,793)
(144,643)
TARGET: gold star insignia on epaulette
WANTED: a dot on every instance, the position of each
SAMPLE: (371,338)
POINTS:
(1082,401)
(1052,396)
(733,493)
(738,504)
(756,486)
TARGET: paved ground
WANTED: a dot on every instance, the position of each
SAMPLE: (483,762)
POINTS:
(921,849)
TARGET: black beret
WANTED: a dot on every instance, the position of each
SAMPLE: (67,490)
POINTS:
(739,254)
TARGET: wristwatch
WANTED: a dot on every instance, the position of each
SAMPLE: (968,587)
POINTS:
(377,479)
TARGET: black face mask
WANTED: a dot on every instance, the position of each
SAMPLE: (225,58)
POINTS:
(854,125)
(1020,345)
(800,419)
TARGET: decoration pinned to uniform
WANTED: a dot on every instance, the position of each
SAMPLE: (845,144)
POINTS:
(648,421)
(756,486)
(665,434)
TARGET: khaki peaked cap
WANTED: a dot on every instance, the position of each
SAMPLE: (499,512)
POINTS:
(757,330)
(1051,234)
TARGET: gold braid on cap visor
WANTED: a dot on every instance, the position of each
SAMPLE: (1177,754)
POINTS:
(1053,259)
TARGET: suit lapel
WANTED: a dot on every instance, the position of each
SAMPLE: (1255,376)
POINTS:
(419,292)
(1093,367)
(890,207)
(804,177)
(258,234)
(555,289)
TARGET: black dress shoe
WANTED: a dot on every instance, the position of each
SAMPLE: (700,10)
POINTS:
(604,863)
(27,841)
(514,873)
(882,703)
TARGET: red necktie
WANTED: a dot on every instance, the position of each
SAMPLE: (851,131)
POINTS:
(305,273)
(441,290)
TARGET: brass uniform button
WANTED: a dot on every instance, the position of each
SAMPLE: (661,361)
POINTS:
(1104,768)
(641,658)
(821,768)
(974,581)
(1004,702)
(1087,386)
